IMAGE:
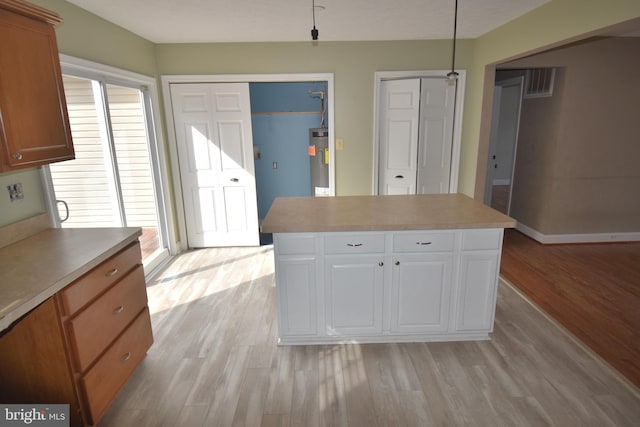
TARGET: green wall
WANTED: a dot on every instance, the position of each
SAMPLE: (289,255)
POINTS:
(353,63)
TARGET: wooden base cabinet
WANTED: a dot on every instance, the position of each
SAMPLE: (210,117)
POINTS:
(96,332)
(394,286)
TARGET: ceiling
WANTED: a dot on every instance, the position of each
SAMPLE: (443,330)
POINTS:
(184,21)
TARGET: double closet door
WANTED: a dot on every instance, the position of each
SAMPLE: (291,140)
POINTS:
(416,119)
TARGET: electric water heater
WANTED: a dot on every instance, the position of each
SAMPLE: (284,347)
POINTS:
(319,161)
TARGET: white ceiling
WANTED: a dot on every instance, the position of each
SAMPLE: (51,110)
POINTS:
(183,21)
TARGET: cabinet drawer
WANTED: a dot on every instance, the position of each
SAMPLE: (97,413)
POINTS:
(482,239)
(353,243)
(104,380)
(89,286)
(295,244)
(424,242)
(102,321)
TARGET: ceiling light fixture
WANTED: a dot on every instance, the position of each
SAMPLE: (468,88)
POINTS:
(453,75)
(314,31)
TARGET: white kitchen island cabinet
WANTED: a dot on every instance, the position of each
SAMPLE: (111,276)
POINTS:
(385,268)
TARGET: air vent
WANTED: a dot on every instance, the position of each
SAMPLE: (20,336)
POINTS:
(539,82)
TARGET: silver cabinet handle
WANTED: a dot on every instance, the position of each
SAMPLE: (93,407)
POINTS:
(112,273)
(17,156)
(423,243)
(234,180)
(126,357)
(354,245)
(118,310)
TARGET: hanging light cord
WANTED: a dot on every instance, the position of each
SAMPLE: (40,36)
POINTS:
(314,31)
(453,74)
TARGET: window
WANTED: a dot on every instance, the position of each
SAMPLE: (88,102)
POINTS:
(114,180)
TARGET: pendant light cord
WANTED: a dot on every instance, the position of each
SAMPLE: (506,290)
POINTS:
(453,74)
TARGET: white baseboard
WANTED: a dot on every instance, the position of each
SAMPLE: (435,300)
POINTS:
(578,238)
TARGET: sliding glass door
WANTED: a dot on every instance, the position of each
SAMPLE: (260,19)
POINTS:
(113,181)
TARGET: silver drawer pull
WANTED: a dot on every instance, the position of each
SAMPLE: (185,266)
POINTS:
(126,357)
(423,243)
(354,245)
(17,156)
(118,310)
(112,273)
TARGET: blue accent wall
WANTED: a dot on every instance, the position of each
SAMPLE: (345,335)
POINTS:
(283,138)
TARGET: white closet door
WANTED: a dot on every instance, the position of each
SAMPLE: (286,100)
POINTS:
(399,122)
(437,105)
(213,134)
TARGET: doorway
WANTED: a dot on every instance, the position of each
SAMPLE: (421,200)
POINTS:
(505,122)
(116,178)
(417,126)
(258,151)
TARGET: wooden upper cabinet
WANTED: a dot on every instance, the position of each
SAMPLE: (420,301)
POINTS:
(34,124)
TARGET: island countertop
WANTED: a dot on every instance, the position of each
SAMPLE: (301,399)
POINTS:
(35,268)
(381,213)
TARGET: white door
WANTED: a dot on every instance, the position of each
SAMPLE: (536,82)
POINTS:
(213,134)
(437,105)
(399,123)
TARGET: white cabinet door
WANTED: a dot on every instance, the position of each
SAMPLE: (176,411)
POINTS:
(477,291)
(354,286)
(421,291)
(296,288)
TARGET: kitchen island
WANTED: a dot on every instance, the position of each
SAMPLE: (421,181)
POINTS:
(405,268)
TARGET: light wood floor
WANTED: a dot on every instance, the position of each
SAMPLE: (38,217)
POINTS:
(591,289)
(215,363)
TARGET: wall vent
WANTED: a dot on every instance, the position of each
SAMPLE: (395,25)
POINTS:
(539,82)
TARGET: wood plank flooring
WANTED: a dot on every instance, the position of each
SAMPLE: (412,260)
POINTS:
(593,290)
(215,362)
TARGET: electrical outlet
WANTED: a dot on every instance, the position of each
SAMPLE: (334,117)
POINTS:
(339,144)
(15,192)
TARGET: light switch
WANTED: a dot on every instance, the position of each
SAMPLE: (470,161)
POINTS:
(339,144)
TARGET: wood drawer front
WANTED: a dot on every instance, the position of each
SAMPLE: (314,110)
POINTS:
(424,242)
(89,286)
(101,322)
(354,243)
(111,372)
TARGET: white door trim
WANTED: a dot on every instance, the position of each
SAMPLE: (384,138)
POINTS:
(457,129)
(167,80)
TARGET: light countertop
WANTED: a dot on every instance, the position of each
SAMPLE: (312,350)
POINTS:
(381,213)
(34,269)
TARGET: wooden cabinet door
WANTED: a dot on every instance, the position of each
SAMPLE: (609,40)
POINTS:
(421,289)
(354,287)
(297,300)
(34,129)
(477,291)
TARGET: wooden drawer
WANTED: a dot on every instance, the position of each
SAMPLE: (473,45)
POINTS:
(92,284)
(93,329)
(111,372)
(482,239)
(352,243)
(424,241)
